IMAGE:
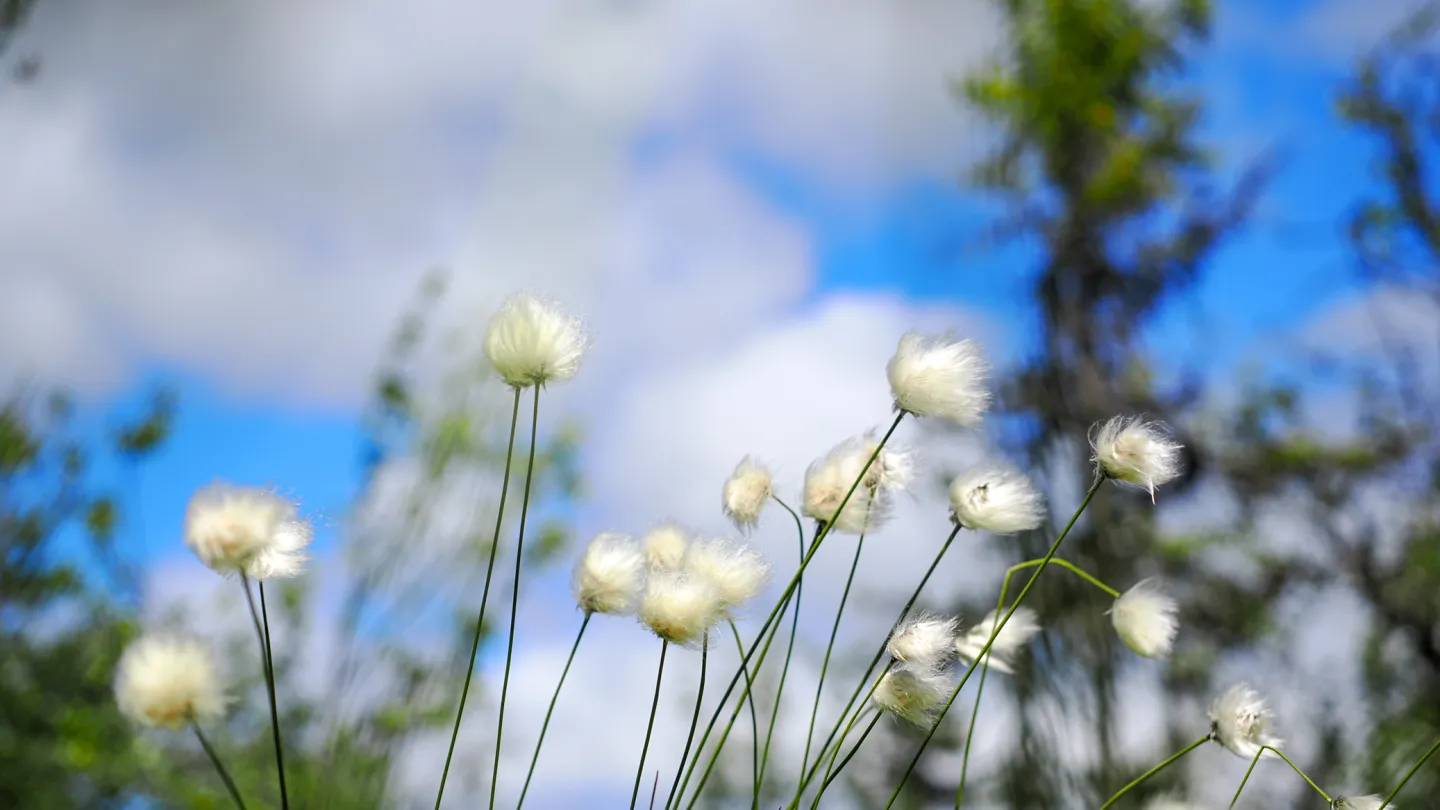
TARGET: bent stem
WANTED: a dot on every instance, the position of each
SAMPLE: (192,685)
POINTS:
(695,718)
(650,727)
(219,768)
(551,710)
(484,597)
(1411,773)
(754,720)
(515,597)
(1296,768)
(785,669)
(267,663)
(1040,569)
(1158,768)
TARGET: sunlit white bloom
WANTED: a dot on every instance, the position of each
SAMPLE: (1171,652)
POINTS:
(997,498)
(746,493)
(923,640)
(1240,721)
(830,477)
(609,575)
(247,529)
(1016,633)
(1132,451)
(736,571)
(665,546)
(941,377)
(533,342)
(913,694)
(168,682)
(680,609)
(1144,617)
(1370,802)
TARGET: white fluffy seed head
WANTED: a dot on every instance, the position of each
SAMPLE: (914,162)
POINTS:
(1144,618)
(609,575)
(996,497)
(1016,633)
(746,493)
(1371,802)
(913,694)
(168,682)
(534,342)
(246,529)
(1132,451)
(680,609)
(664,547)
(830,477)
(941,377)
(1240,721)
(736,571)
(923,640)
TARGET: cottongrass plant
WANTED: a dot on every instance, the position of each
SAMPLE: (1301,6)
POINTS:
(681,587)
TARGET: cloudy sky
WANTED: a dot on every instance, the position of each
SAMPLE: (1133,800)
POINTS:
(747,201)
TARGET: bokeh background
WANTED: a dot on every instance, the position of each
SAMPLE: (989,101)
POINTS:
(259,242)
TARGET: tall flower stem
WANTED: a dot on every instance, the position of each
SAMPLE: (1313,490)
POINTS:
(267,662)
(219,768)
(831,776)
(784,670)
(840,743)
(551,710)
(484,597)
(695,718)
(754,718)
(1158,768)
(1410,773)
(1000,625)
(515,597)
(650,726)
(1253,762)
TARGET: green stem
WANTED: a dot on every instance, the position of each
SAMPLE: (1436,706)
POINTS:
(1054,547)
(551,710)
(840,743)
(832,776)
(754,718)
(1158,768)
(695,718)
(1411,773)
(1296,768)
(215,760)
(784,670)
(515,597)
(484,597)
(262,631)
(1255,760)
(970,733)
(650,726)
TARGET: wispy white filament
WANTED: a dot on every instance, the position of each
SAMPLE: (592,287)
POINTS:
(1371,802)
(168,682)
(996,497)
(680,609)
(609,575)
(1132,451)
(941,377)
(830,477)
(1241,721)
(746,493)
(913,694)
(923,641)
(246,529)
(664,547)
(533,342)
(736,571)
(1144,618)
(1015,634)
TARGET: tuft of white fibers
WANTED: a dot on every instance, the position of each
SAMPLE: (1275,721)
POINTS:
(736,571)
(1371,802)
(939,376)
(1016,633)
(829,478)
(1132,451)
(1144,618)
(1240,721)
(609,575)
(914,694)
(533,342)
(680,609)
(924,640)
(997,498)
(246,529)
(746,493)
(168,682)
(664,547)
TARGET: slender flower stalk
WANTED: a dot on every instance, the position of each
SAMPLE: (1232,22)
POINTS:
(1255,759)
(1158,768)
(784,669)
(831,776)
(584,623)
(219,768)
(695,717)
(650,725)
(484,596)
(1410,773)
(754,718)
(262,631)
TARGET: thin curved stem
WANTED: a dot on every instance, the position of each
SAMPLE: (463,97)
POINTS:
(1411,773)
(650,726)
(551,710)
(695,718)
(1000,625)
(846,761)
(784,670)
(515,597)
(1255,760)
(1158,768)
(1296,768)
(970,732)
(484,598)
(839,744)
(262,631)
(754,719)
(219,768)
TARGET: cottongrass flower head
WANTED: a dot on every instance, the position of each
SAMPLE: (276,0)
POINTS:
(680,609)
(1132,451)
(1240,721)
(1144,618)
(736,571)
(664,546)
(168,682)
(1016,633)
(997,498)
(829,478)
(914,694)
(251,530)
(746,493)
(924,640)
(533,342)
(1371,802)
(941,377)
(609,575)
